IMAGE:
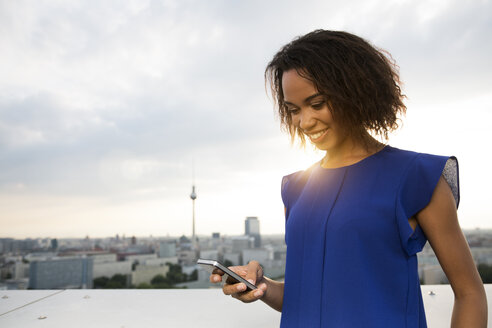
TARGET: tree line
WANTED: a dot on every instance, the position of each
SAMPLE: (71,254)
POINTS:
(174,276)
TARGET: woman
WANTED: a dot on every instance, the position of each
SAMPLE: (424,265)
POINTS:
(356,220)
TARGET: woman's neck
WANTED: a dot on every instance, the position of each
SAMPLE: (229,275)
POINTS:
(351,151)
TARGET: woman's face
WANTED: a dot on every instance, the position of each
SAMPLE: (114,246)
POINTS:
(310,112)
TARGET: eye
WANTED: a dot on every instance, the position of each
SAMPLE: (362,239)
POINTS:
(292,110)
(318,105)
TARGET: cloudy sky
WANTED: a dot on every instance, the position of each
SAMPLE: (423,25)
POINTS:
(104,105)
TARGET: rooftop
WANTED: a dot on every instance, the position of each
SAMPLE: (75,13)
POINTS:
(128,308)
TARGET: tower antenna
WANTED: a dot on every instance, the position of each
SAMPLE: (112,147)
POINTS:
(193,197)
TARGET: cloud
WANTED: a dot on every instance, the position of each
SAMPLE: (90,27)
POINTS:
(110,101)
(441,46)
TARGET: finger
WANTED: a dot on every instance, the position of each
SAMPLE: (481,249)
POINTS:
(215,278)
(217,271)
(239,269)
(251,296)
(230,280)
(254,271)
(231,289)
(263,287)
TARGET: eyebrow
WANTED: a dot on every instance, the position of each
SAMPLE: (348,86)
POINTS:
(305,100)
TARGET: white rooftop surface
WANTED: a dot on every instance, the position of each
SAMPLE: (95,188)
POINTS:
(127,308)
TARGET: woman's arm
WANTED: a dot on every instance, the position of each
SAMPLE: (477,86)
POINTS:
(274,294)
(439,221)
(269,291)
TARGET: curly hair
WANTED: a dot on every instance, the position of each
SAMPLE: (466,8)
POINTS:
(360,82)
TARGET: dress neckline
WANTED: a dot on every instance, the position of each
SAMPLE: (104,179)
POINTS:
(318,164)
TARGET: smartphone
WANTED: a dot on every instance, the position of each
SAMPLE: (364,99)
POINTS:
(211,265)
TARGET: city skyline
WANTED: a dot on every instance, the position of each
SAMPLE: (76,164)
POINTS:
(104,106)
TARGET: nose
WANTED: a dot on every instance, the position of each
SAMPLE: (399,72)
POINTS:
(306,119)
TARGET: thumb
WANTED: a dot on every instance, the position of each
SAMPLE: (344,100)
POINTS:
(254,272)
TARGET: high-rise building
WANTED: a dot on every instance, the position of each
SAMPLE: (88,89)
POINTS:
(60,273)
(252,229)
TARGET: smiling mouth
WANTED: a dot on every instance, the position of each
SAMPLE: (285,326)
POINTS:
(315,136)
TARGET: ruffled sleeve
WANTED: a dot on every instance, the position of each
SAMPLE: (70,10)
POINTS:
(415,192)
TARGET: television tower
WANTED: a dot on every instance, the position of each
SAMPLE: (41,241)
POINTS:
(193,197)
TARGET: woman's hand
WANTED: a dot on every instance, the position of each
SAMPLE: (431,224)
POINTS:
(252,272)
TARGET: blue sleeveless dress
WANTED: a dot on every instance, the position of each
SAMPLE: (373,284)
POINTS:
(351,253)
